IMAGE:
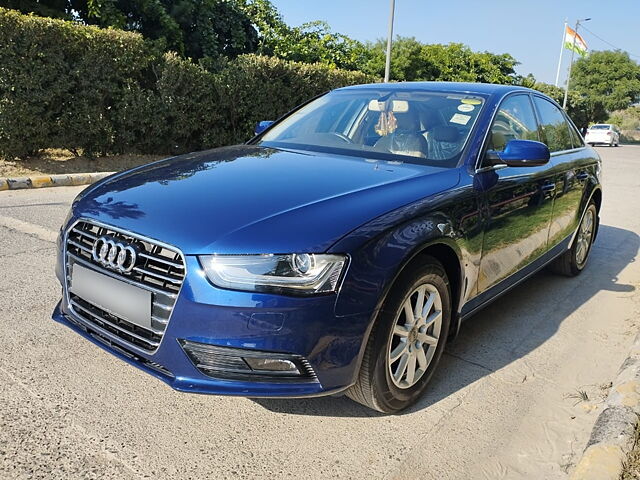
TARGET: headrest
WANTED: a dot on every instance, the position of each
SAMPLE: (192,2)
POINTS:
(408,121)
(445,134)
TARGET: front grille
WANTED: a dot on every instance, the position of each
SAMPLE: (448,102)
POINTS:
(159,269)
(129,354)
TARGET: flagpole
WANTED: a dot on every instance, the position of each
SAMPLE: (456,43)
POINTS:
(387,68)
(573,51)
(564,33)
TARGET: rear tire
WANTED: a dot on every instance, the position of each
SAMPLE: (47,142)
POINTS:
(573,261)
(404,349)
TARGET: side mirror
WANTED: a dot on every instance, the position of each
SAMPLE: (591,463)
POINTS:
(262,126)
(521,153)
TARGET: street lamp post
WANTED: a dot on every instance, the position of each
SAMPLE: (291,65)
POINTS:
(573,48)
(387,68)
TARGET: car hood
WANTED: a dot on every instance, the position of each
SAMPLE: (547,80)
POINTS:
(249,199)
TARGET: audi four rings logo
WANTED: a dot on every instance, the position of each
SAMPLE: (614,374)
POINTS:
(113,254)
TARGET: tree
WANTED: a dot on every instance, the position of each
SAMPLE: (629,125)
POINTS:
(312,42)
(607,77)
(582,109)
(628,119)
(412,60)
(193,28)
(43,8)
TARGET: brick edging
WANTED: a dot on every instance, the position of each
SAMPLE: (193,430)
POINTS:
(613,433)
(41,181)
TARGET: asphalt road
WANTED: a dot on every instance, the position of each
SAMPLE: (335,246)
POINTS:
(506,402)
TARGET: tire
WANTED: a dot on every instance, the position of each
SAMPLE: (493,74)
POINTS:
(375,386)
(574,260)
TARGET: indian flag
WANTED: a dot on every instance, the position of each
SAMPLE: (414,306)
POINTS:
(575,42)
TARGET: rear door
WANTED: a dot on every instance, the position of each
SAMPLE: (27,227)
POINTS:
(572,165)
(519,205)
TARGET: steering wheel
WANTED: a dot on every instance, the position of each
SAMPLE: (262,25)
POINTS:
(342,137)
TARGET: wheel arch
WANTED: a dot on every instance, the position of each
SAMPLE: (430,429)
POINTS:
(596,197)
(448,254)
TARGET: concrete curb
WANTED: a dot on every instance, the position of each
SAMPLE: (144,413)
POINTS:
(42,181)
(613,432)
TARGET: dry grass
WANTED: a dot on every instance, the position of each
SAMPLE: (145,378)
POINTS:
(631,466)
(579,395)
(56,161)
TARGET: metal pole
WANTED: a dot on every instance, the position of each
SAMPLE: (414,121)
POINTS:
(573,51)
(387,68)
(564,32)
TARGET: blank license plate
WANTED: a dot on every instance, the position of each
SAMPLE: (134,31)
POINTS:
(128,302)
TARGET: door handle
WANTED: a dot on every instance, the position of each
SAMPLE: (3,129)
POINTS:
(548,187)
(582,176)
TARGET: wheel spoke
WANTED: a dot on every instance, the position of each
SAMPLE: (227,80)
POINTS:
(411,369)
(428,305)
(428,339)
(419,303)
(589,222)
(398,351)
(435,316)
(402,367)
(401,330)
(422,359)
(408,312)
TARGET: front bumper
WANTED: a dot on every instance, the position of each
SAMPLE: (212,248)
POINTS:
(305,327)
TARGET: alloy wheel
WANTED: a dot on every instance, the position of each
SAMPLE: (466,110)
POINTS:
(585,235)
(415,336)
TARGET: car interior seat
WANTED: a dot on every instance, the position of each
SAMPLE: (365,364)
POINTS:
(444,142)
(406,139)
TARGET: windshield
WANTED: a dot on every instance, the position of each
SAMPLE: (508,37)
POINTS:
(409,126)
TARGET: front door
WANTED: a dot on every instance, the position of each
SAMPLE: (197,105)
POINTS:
(519,205)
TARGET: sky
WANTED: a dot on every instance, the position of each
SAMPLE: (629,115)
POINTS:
(530,30)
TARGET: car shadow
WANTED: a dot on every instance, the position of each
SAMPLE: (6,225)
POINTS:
(505,331)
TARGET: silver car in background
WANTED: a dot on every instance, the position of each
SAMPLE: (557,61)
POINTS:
(603,133)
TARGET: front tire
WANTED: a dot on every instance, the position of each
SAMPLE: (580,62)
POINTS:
(407,340)
(573,261)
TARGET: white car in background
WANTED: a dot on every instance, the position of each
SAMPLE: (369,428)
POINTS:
(603,133)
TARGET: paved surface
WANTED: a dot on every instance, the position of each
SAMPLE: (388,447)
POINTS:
(505,403)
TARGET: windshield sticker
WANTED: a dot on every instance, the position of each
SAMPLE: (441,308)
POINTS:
(471,101)
(460,119)
(465,107)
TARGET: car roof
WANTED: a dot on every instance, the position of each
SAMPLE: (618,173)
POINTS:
(459,87)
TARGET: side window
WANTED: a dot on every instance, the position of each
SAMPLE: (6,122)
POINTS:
(555,129)
(576,139)
(514,120)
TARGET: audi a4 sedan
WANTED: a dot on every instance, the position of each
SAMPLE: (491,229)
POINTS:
(336,251)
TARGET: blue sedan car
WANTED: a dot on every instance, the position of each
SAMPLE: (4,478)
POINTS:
(336,251)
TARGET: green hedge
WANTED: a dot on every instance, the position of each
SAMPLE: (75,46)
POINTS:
(64,85)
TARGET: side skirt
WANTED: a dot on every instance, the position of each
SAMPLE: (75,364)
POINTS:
(485,298)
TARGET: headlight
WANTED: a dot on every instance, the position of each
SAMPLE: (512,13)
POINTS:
(300,274)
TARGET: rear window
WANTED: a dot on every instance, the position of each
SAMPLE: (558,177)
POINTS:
(600,127)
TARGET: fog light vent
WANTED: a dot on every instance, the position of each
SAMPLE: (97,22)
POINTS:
(243,364)
(272,365)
